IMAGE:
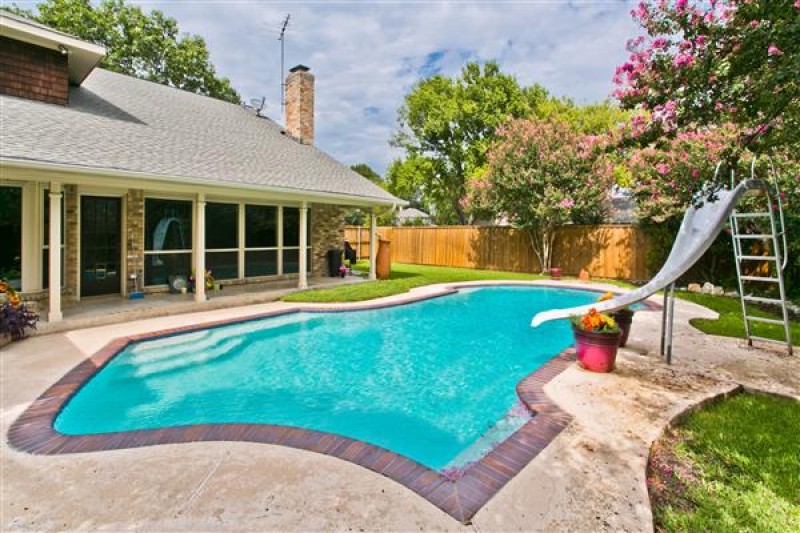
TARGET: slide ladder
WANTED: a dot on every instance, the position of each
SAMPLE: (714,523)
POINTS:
(759,271)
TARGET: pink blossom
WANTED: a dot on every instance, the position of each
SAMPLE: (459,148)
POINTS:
(683,60)
(566,203)
(774,51)
(755,23)
(797,4)
(661,43)
(662,169)
(680,5)
(695,173)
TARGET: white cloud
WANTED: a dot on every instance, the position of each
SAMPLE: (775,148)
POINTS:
(366,55)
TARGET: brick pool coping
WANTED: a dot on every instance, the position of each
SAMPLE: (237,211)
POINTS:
(461,498)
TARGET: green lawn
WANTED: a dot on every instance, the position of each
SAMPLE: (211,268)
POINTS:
(730,323)
(731,467)
(403,278)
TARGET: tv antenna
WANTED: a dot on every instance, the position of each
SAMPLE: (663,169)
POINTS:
(283,40)
(258,104)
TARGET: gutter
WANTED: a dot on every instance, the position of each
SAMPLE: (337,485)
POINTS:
(329,197)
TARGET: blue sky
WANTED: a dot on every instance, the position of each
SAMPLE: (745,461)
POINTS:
(367,54)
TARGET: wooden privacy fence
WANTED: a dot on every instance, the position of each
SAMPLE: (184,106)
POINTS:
(606,251)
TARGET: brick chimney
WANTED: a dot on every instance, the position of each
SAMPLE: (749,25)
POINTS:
(300,104)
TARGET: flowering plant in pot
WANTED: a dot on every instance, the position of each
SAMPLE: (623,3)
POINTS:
(15,317)
(623,317)
(596,340)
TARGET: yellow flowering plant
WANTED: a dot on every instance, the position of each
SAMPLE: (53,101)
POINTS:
(595,322)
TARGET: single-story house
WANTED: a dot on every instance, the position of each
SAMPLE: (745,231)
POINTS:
(412,216)
(111,184)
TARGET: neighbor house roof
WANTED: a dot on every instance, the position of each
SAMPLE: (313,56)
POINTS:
(410,212)
(118,123)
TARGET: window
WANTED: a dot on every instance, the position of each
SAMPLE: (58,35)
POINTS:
(222,240)
(261,242)
(291,241)
(11,232)
(168,240)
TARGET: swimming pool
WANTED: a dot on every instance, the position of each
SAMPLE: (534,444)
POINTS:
(428,380)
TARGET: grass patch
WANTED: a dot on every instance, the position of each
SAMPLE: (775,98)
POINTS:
(730,322)
(403,278)
(731,467)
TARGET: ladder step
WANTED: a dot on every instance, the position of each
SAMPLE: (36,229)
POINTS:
(761,214)
(765,339)
(762,299)
(765,320)
(753,236)
(760,278)
(758,257)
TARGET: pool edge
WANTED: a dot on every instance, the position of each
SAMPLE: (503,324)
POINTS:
(461,498)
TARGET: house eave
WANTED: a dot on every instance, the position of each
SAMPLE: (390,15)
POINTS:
(144,180)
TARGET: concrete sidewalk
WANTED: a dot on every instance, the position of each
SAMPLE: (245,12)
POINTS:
(590,478)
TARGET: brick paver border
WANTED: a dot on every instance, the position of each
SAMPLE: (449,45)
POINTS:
(461,498)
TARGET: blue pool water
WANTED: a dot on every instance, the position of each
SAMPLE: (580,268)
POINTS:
(426,380)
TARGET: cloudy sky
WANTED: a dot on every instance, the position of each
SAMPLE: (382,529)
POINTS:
(367,54)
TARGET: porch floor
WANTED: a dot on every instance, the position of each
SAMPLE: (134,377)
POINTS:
(104,310)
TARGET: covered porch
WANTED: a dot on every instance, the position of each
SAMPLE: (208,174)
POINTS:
(90,246)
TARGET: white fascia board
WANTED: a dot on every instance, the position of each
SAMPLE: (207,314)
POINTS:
(139,180)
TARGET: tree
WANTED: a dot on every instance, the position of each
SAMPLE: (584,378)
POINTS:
(367,171)
(405,178)
(146,46)
(541,175)
(706,63)
(445,127)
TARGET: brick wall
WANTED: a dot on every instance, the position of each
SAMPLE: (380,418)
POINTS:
(71,239)
(33,72)
(134,235)
(327,231)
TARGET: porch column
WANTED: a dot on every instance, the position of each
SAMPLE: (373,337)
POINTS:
(373,244)
(302,275)
(200,248)
(54,313)
(31,237)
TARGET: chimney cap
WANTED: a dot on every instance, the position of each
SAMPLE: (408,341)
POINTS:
(299,68)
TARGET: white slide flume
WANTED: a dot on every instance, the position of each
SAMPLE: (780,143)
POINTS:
(698,230)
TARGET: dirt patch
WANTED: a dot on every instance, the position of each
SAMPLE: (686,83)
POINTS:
(669,477)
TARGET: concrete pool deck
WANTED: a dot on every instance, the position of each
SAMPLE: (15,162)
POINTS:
(591,477)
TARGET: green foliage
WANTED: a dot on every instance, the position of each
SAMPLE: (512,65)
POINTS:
(446,126)
(745,475)
(148,46)
(403,278)
(367,171)
(541,175)
(594,119)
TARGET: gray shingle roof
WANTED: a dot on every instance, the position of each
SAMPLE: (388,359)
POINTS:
(122,123)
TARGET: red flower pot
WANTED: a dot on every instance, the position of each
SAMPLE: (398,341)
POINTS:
(596,351)
(623,318)
(555,273)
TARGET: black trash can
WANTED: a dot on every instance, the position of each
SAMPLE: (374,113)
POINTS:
(334,262)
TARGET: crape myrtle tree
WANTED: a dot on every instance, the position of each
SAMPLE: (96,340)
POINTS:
(709,81)
(149,46)
(540,176)
(713,62)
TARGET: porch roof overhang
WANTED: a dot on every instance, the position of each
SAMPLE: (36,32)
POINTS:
(26,169)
